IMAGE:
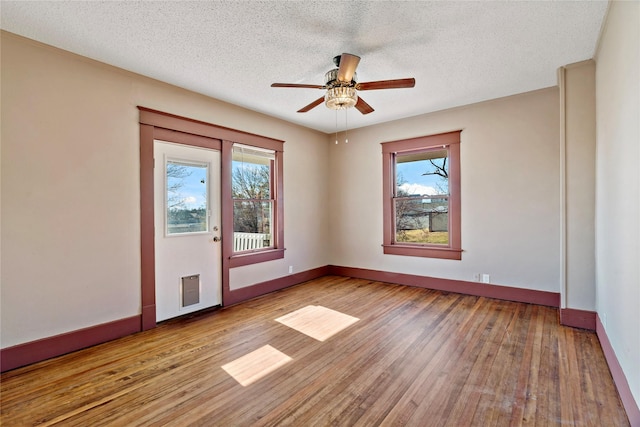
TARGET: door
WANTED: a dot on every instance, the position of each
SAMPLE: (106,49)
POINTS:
(187,229)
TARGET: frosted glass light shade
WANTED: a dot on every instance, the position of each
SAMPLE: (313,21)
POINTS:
(341,97)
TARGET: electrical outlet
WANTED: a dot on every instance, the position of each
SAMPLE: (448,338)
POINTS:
(486,278)
(290,269)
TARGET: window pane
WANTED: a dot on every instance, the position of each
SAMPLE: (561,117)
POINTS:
(425,173)
(423,221)
(251,172)
(252,224)
(186,198)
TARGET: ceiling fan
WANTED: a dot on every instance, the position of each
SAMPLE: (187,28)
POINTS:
(342,86)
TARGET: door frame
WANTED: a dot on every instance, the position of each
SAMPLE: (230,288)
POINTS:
(180,130)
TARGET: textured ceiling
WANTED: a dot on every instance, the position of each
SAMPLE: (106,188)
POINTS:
(458,52)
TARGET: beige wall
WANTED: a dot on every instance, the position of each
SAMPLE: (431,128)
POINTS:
(70,188)
(618,186)
(578,121)
(510,193)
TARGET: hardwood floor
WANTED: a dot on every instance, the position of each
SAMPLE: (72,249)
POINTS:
(415,357)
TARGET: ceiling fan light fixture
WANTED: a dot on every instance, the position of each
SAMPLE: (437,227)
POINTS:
(342,85)
(341,97)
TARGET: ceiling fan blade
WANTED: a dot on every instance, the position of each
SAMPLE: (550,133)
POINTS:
(387,84)
(348,65)
(297,85)
(363,107)
(312,105)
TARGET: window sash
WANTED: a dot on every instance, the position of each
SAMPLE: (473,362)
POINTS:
(261,226)
(420,225)
(424,196)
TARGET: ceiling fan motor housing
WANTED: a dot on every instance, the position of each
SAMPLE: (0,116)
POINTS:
(331,79)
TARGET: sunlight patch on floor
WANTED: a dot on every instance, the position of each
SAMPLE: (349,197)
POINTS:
(255,365)
(317,322)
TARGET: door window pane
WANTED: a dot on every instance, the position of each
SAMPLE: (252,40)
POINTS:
(186,196)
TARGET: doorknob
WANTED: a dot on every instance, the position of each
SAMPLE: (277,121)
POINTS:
(217,239)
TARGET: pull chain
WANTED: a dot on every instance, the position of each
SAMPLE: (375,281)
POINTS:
(336,127)
(346,128)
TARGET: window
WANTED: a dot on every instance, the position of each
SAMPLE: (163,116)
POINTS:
(186,198)
(252,192)
(256,198)
(421,196)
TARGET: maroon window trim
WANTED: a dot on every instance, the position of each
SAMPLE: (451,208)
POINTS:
(169,127)
(451,141)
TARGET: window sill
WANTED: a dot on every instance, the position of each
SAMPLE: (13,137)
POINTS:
(423,251)
(239,260)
